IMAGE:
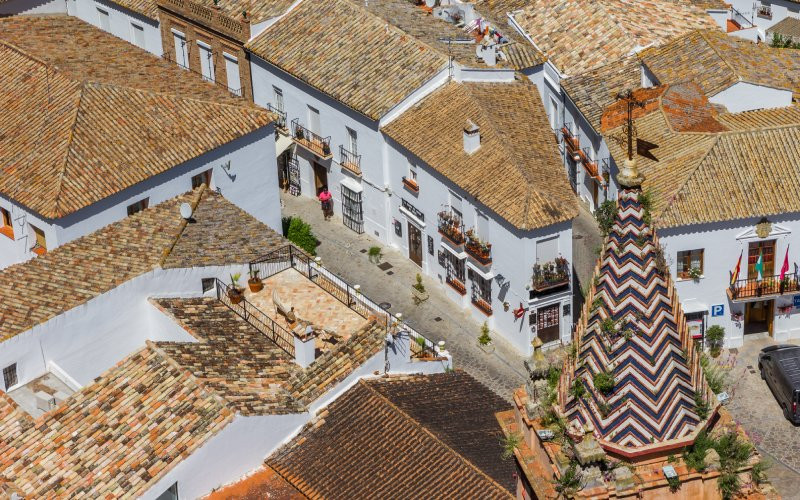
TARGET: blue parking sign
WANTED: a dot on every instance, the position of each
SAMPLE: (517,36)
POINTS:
(797,300)
(717,310)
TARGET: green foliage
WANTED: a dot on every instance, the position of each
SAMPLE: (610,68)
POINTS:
(758,474)
(577,390)
(418,285)
(421,341)
(484,339)
(235,280)
(604,382)
(701,406)
(674,483)
(781,42)
(375,254)
(646,201)
(672,459)
(608,326)
(715,376)
(729,485)
(573,351)
(605,215)
(733,455)
(300,234)
(715,335)
(695,456)
(285,221)
(510,443)
(569,481)
(604,408)
(553,375)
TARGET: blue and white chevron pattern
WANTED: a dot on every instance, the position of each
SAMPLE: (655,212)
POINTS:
(653,398)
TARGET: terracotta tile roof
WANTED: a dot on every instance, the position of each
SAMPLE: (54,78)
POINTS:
(460,411)
(250,371)
(63,132)
(363,444)
(528,186)
(710,176)
(80,270)
(579,35)
(594,90)
(147,8)
(116,437)
(787,27)
(262,484)
(421,24)
(355,57)
(716,61)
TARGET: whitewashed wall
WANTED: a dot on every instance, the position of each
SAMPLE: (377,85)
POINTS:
(13,7)
(780,10)
(744,96)
(251,184)
(722,243)
(120,21)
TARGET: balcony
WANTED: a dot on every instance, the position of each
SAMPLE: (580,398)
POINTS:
(350,161)
(572,143)
(764,12)
(411,184)
(316,144)
(591,166)
(483,305)
(451,227)
(753,288)
(280,123)
(456,284)
(550,276)
(477,249)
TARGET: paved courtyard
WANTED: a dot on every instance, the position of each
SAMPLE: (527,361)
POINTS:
(344,253)
(754,407)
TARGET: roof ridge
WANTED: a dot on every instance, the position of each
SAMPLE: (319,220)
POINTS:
(424,429)
(194,202)
(63,170)
(24,53)
(702,34)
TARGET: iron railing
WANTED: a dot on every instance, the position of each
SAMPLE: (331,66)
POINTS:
(768,285)
(451,226)
(350,161)
(168,56)
(320,146)
(292,257)
(740,19)
(281,121)
(257,319)
(479,301)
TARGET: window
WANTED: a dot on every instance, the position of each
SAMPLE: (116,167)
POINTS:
(102,16)
(40,245)
(547,323)
(10,376)
(206,61)
(430,244)
(170,494)
(137,35)
(481,287)
(278,94)
(313,120)
(546,250)
(138,206)
(181,50)
(352,141)
(6,227)
(455,271)
(690,259)
(412,171)
(352,211)
(201,178)
(766,249)
(553,112)
(232,72)
(208,284)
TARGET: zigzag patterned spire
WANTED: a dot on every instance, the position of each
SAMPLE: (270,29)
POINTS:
(633,328)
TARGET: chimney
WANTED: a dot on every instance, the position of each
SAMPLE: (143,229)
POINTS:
(472,137)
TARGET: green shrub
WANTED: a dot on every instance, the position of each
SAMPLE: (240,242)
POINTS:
(695,455)
(300,234)
(375,254)
(701,406)
(285,221)
(577,390)
(569,481)
(418,285)
(605,215)
(484,339)
(714,336)
(674,483)
(510,443)
(758,474)
(715,376)
(604,382)
(553,375)
(646,201)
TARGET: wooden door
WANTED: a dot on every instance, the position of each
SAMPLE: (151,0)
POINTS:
(548,327)
(415,244)
(320,177)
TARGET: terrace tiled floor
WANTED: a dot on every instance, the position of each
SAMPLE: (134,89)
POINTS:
(33,396)
(310,302)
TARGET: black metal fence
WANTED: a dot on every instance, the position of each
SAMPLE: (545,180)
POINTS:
(768,285)
(257,318)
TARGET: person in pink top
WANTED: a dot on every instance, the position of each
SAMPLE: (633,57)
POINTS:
(325,197)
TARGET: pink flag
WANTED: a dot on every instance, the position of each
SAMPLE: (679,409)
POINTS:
(785,266)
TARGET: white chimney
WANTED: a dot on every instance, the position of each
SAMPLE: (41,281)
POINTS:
(472,137)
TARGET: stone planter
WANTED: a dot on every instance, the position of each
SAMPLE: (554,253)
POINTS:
(419,296)
(488,348)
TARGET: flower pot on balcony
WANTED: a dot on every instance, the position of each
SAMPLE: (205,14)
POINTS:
(255,285)
(235,295)
(326,150)
(298,134)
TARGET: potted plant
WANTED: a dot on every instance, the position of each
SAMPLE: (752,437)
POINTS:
(298,133)
(418,290)
(254,282)
(326,150)
(375,254)
(715,335)
(485,340)
(694,274)
(235,292)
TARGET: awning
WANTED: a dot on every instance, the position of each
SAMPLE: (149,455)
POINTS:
(351,185)
(282,144)
(458,255)
(693,306)
(487,275)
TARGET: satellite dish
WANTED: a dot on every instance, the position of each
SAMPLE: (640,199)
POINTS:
(186,211)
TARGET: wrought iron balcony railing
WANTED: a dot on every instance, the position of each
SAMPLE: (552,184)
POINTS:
(320,146)
(350,161)
(750,288)
(280,123)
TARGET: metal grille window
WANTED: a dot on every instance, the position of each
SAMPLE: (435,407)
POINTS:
(352,210)
(547,324)
(455,268)
(481,287)
(10,376)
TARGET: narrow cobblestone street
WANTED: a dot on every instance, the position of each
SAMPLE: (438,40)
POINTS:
(345,253)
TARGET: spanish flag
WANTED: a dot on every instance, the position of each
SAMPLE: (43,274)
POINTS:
(735,274)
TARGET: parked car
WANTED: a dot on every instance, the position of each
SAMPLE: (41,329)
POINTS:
(780,367)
